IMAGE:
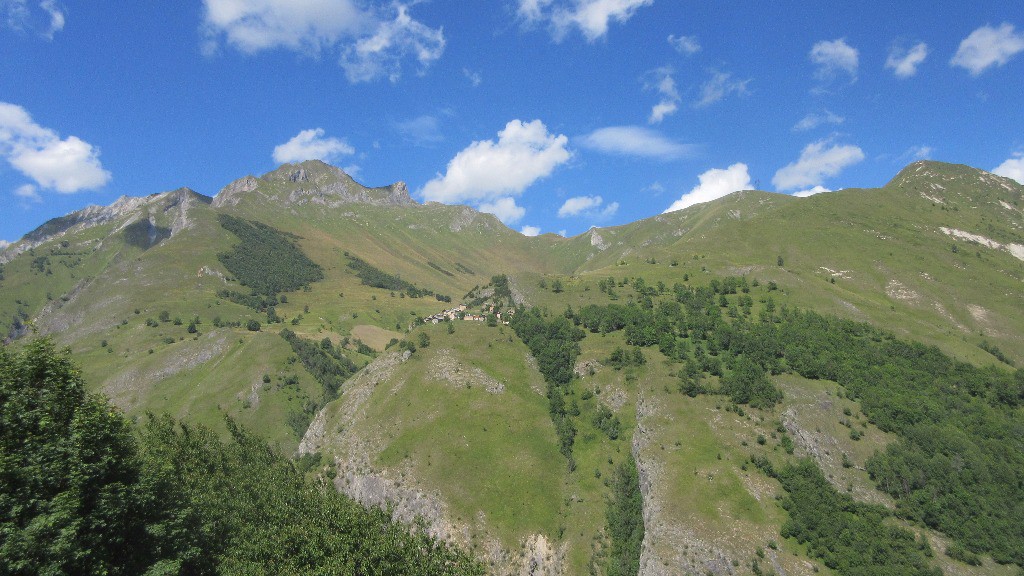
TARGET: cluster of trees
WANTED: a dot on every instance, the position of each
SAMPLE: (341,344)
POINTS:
(41,264)
(82,492)
(748,383)
(440,269)
(959,464)
(328,364)
(502,290)
(266,259)
(608,287)
(374,277)
(996,352)
(691,328)
(498,291)
(555,345)
(258,302)
(621,358)
(851,538)
(625,518)
(607,422)
(324,361)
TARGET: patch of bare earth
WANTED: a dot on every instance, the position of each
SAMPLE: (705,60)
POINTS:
(447,368)
(898,291)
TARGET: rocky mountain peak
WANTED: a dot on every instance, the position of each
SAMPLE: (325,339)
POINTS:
(940,182)
(174,206)
(311,182)
(930,171)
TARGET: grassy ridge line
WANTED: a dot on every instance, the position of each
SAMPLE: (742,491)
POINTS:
(884,247)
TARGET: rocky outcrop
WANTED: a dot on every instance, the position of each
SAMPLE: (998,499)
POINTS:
(173,207)
(447,368)
(668,547)
(312,182)
(334,431)
(233,193)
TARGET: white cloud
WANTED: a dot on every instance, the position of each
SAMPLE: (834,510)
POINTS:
(714,184)
(684,44)
(311,145)
(662,109)
(811,192)
(834,56)
(530,230)
(381,54)
(487,170)
(587,205)
(904,62)
(577,204)
(818,160)
(43,17)
(56,16)
(505,209)
(635,141)
(590,17)
(1013,168)
(532,10)
(719,86)
(661,80)
(372,41)
(65,165)
(563,233)
(475,78)
(4,244)
(812,120)
(914,153)
(421,131)
(28,192)
(309,26)
(987,47)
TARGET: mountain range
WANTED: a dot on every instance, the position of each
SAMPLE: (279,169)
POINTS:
(299,303)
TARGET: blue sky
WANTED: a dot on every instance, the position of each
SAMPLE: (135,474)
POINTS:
(556,115)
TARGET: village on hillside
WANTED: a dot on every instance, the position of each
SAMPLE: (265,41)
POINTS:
(460,313)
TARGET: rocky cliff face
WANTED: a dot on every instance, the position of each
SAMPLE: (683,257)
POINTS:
(311,182)
(173,206)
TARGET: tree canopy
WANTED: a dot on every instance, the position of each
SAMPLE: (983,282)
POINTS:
(82,492)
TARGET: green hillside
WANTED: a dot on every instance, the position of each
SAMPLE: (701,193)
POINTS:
(295,303)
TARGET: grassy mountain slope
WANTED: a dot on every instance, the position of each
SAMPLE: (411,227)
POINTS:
(458,432)
(936,255)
